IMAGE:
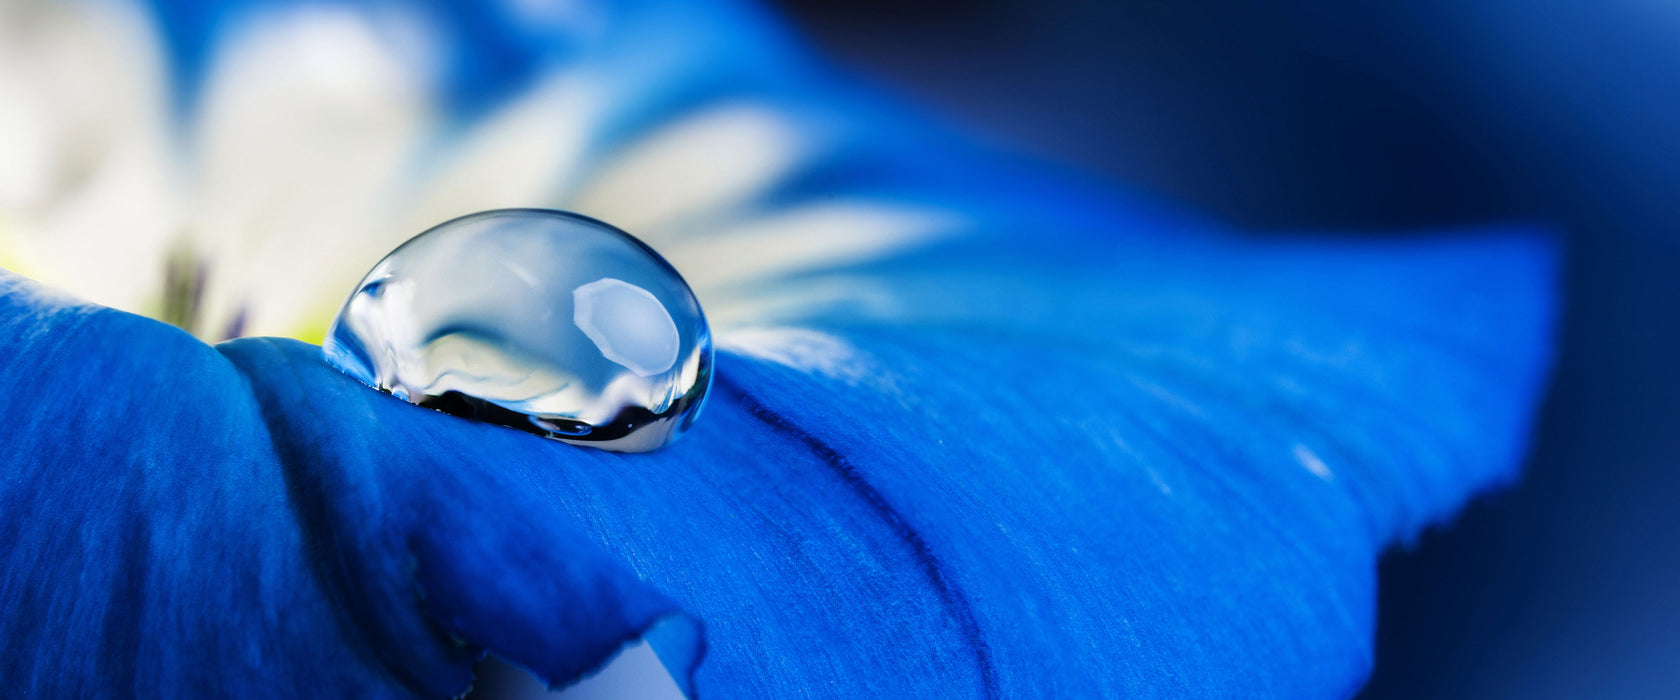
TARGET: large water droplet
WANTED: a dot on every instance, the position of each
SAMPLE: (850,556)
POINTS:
(550,322)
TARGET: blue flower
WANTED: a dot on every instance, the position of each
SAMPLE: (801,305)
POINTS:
(978,429)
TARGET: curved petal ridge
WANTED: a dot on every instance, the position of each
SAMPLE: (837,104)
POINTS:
(239,522)
(954,600)
(162,537)
(491,563)
(1112,551)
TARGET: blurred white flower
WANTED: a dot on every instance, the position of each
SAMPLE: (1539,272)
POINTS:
(319,139)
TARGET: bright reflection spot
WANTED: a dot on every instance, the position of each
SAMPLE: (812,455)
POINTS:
(628,325)
(635,674)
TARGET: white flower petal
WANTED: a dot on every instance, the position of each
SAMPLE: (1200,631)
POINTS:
(708,162)
(811,237)
(87,195)
(520,156)
(310,118)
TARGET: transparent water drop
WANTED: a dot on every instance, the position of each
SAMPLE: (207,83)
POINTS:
(545,321)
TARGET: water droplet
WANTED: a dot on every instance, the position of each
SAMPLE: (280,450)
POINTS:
(545,321)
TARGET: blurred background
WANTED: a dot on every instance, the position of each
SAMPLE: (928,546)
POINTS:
(1400,115)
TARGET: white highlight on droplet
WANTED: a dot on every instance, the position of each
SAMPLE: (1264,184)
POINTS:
(628,325)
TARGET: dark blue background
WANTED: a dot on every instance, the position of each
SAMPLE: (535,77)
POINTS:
(1376,116)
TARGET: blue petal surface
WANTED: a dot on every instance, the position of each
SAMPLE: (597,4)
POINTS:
(1083,446)
(1178,486)
(173,530)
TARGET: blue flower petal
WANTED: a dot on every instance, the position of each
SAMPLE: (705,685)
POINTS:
(176,528)
(1084,448)
(1176,486)
(1154,470)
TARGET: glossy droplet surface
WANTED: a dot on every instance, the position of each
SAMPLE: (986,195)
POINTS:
(546,321)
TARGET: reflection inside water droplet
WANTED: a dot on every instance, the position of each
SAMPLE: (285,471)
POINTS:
(550,322)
